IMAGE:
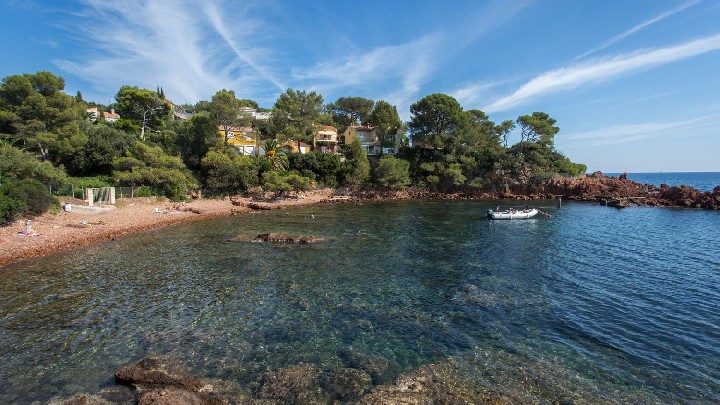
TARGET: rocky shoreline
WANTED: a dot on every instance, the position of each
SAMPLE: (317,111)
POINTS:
(618,192)
(62,231)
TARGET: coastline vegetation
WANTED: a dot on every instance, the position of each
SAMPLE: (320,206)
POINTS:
(50,138)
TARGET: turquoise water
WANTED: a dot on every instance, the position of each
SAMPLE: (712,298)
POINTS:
(595,304)
(703,181)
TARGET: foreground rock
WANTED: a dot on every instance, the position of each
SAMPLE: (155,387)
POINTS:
(287,238)
(157,372)
(160,381)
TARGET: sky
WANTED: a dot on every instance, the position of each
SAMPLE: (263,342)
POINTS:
(634,85)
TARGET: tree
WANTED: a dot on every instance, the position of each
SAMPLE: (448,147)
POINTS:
(196,137)
(227,172)
(225,109)
(295,114)
(142,107)
(102,144)
(349,111)
(35,111)
(392,173)
(539,128)
(149,165)
(19,164)
(387,123)
(435,119)
(357,166)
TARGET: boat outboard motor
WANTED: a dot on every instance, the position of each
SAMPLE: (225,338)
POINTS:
(489,214)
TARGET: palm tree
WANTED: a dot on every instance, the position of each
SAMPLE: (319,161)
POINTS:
(278,159)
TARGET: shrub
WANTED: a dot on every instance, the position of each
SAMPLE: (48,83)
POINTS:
(145,191)
(23,197)
(392,173)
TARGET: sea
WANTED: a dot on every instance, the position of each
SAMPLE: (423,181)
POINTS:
(703,181)
(587,304)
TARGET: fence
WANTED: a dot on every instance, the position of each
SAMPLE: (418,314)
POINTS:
(69,190)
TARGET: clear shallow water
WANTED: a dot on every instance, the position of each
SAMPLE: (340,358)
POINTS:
(605,304)
(703,181)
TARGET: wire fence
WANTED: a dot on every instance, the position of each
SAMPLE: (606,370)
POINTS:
(80,192)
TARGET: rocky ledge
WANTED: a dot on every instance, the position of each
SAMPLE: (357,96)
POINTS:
(287,238)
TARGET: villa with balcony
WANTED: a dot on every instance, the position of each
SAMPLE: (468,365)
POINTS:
(326,139)
(243,138)
(368,139)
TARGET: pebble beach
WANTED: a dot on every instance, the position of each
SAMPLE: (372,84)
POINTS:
(60,231)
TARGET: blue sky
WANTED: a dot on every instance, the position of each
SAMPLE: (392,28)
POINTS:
(634,85)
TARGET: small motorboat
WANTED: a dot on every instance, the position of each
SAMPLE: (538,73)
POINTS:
(512,214)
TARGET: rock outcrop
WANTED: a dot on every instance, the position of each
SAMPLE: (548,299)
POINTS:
(287,238)
(153,372)
(159,381)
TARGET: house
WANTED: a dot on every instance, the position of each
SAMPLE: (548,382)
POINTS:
(111,116)
(295,147)
(326,139)
(243,138)
(258,115)
(368,139)
(93,114)
(181,115)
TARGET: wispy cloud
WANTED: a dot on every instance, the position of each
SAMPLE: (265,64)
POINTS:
(408,65)
(666,131)
(638,27)
(599,70)
(399,72)
(472,93)
(177,46)
(246,52)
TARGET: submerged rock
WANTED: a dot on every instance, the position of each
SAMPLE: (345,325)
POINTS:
(291,385)
(117,395)
(349,384)
(175,396)
(287,238)
(429,385)
(380,369)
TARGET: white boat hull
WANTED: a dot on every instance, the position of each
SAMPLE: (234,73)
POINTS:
(522,214)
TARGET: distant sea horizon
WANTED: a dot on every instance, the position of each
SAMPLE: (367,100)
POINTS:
(703,181)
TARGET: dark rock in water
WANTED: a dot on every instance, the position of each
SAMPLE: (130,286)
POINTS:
(380,369)
(157,372)
(429,385)
(113,395)
(174,396)
(299,384)
(349,384)
(259,206)
(287,238)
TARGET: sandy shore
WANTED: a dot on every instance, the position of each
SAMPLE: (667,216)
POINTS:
(68,230)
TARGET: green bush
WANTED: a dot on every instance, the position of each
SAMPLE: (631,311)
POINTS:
(392,173)
(145,191)
(23,197)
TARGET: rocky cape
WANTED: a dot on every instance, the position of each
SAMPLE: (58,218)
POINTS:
(618,192)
